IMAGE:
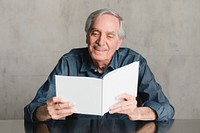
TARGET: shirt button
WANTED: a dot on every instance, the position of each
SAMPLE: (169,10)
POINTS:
(95,70)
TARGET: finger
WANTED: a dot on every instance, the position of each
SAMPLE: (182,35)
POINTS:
(121,104)
(56,117)
(53,100)
(62,100)
(59,106)
(65,112)
(125,96)
(65,105)
(117,108)
(59,100)
(57,114)
(126,110)
(123,110)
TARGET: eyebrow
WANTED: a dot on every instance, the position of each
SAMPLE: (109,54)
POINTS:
(112,33)
(95,29)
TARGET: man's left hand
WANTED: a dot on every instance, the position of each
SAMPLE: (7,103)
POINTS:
(127,105)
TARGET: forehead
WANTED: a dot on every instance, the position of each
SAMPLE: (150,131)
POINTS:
(106,21)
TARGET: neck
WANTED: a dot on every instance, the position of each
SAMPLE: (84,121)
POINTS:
(101,65)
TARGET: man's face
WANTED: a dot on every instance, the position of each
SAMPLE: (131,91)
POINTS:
(103,40)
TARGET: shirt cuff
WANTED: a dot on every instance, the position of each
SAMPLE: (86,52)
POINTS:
(163,111)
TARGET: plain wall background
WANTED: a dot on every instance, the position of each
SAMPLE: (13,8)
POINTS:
(35,33)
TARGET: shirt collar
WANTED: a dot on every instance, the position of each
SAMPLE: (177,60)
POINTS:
(114,61)
(87,63)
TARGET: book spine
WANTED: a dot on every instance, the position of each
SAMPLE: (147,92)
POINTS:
(102,98)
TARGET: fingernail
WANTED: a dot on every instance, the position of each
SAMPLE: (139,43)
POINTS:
(111,112)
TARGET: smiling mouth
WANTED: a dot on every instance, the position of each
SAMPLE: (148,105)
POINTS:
(99,48)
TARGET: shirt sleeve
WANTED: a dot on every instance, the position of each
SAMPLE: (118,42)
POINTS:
(46,91)
(150,94)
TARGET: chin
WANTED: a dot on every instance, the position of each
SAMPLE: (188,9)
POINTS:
(98,57)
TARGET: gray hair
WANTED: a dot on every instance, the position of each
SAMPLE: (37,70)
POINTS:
(92,17)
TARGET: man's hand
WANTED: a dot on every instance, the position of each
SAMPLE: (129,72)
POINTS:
(55,108)
(128,105)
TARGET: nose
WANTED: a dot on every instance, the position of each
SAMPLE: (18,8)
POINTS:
(101,40)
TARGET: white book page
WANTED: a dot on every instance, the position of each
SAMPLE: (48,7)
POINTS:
(85,92)
(121,80)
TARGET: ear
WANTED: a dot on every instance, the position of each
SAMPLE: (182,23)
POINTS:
(87,39)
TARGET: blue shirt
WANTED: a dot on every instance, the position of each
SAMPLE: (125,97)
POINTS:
(79,63)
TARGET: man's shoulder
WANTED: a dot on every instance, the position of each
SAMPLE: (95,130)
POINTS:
(127,53)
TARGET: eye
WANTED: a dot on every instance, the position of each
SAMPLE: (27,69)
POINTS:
(95,33)
(110,36)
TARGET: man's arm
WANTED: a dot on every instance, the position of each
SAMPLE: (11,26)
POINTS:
(150,94)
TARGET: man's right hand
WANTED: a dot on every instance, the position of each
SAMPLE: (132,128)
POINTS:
(55,108)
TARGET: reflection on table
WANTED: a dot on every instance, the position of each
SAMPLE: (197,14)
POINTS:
(98,126)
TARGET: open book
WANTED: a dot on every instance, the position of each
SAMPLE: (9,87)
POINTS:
(93,95)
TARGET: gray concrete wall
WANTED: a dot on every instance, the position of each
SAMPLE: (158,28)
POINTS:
(35,33)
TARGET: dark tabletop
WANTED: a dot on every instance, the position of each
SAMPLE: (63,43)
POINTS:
(101,126)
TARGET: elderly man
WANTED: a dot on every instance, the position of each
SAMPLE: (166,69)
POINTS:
(105,33)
